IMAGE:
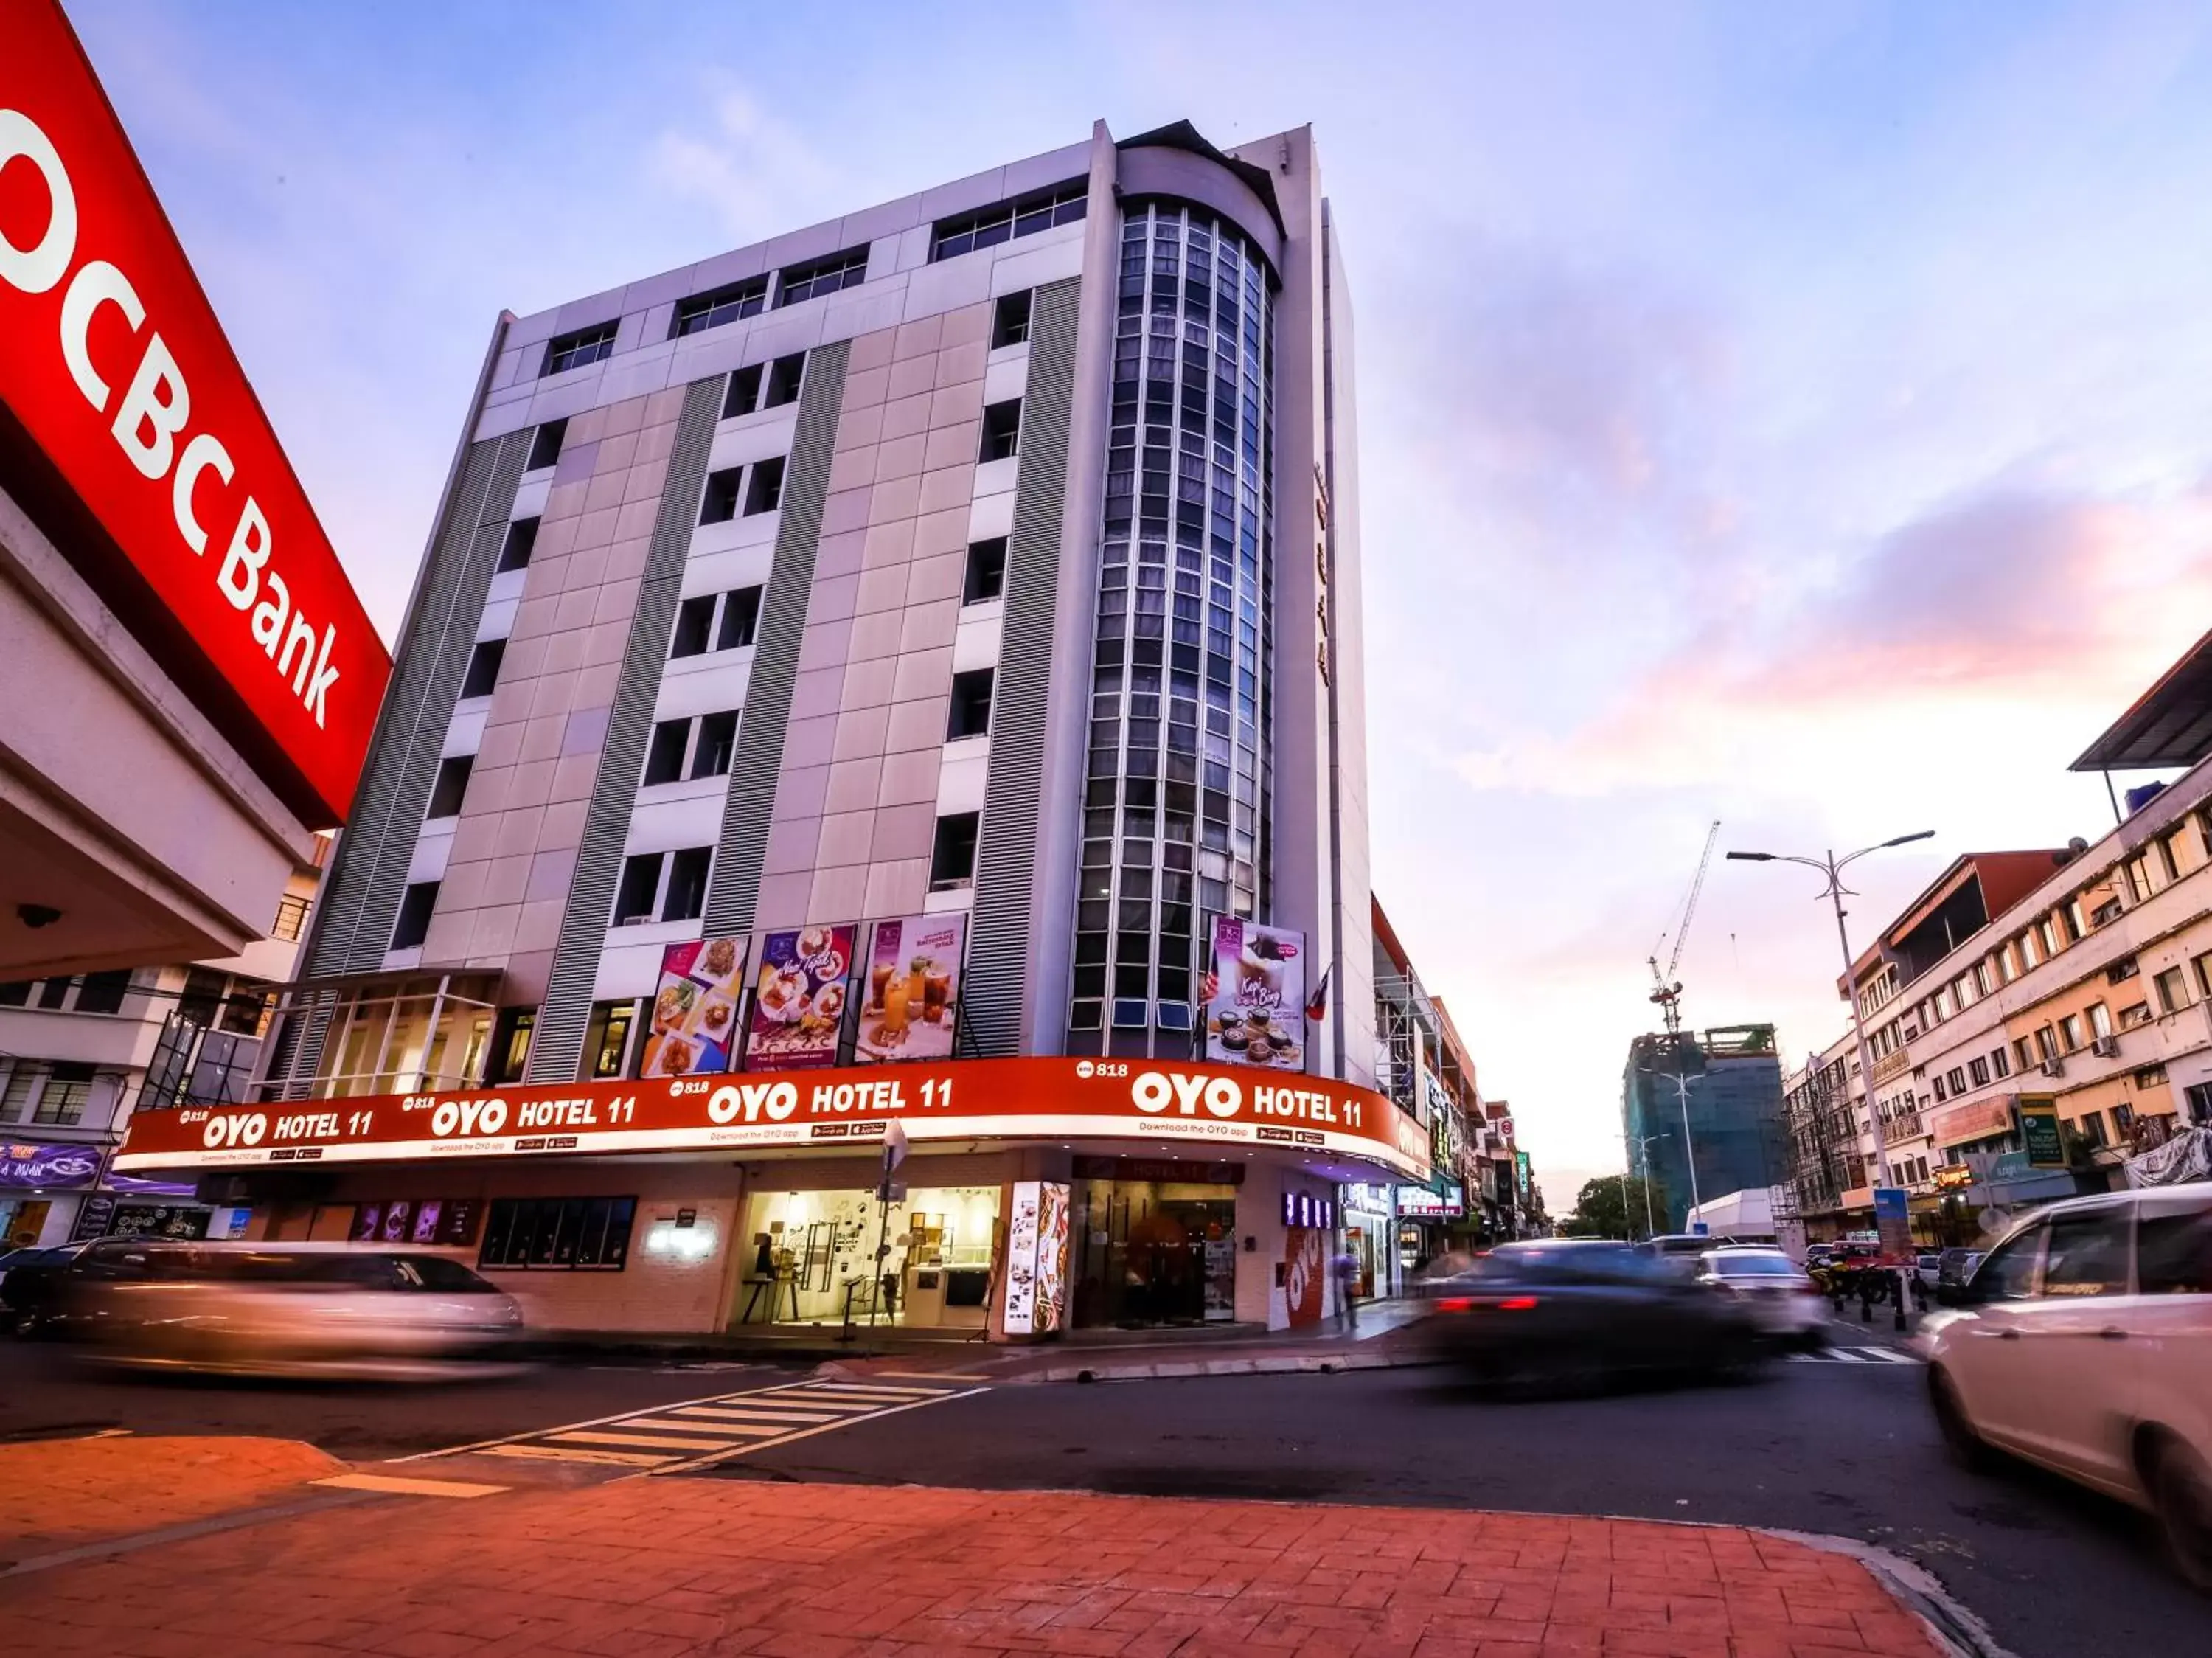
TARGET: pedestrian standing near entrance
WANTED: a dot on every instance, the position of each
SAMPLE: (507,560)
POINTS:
(1344,1267)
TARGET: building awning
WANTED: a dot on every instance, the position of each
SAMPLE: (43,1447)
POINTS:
(2170,726)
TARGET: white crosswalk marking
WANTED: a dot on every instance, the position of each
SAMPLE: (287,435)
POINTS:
(1856,1356)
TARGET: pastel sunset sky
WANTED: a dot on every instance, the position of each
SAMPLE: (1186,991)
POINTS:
(1799,416)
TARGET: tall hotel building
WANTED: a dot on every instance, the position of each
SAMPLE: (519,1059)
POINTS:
(986,561)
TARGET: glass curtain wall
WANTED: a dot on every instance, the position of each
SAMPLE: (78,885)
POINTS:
(1176,806)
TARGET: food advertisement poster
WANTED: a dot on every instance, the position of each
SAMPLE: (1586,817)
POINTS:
(1036,1258)
(692,1025)
(1257,1013)
(911,1004)
(799,999)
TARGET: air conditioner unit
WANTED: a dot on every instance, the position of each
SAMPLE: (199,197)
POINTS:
(2052,1068)
(2105,1048)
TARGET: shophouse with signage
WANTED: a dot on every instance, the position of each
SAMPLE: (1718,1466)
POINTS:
(891,692)
(188,680)
(1713,1096)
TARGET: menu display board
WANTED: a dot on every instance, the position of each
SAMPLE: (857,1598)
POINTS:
(1256,1014)
(912,1005)
(1036,1258)
(692,1028)
(799,1001)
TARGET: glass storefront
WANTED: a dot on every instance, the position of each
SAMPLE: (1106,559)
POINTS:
(1153,1244)
(808,1255)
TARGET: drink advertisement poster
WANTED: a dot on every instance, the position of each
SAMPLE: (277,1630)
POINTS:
(693,1024)
(911,1005)
(1256,1015)
(799,999)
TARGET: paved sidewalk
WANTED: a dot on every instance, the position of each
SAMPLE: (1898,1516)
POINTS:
(58,1493)
(725,1566)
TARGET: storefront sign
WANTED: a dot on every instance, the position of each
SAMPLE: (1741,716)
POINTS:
(1304,1209)
(1365,1199)
(912,1006)
(1036,1258)
(141,444)
(158,1221)
(2038,1131)
(47,1168)
(1209,1108)
(798,1004)
(1305,1276)
(1420,1203)
(1521,1174)
(1979,1119)
(1257,1014)
(694,1008)
(92,1215)
(1159,1171)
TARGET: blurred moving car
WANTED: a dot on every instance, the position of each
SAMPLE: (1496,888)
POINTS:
(280,1309)
(1780,1294)
(1953,1267)
(2084,1342)
(1928,1267)
(32,1286)
(1570,1311)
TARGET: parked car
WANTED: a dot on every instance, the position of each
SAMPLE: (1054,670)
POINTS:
(2083,1342)
(1781,1296)
(1955,1266)
(1568,1312)
(1928,1267)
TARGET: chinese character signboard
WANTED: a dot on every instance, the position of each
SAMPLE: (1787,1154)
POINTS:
(1256,1015)
(912,1004)
(693,1026)
(798,1000)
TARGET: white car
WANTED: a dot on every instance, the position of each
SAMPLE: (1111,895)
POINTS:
(1783,1300)
(2083,1342)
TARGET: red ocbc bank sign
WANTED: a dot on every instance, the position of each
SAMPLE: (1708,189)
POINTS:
(1203,1106)
(131,433)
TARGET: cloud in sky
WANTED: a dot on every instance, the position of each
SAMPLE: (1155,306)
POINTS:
(1797,416)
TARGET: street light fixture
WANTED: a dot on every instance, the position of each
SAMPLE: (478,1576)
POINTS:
(1681,1082)
(1643,1142)
(1833,867)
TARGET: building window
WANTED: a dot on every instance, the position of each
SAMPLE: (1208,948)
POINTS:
(703,311)
(2107,912)
(2092,1126)
(2047,931)
(2202,965)
(641,894)
(567,1233)
(1002,431)
(1022,215)
(687,884)
(62,1101)
(717,744)
(16,1101)
(2169,854)
(2008,970)
(952,854)
(2100,1019)
(1978,1072)
(1940,1095)
(606,1040)
(765,493)
(970,715)
(1009,319)
(743,394)
(510,1045)
(819,277)
(1999,1063)
(1957,1078)
(453,783)
(2069,1033)
(719,503)
(545,445)
(640,889)
(740,618)
(414,924)
(2134,1014)
(986,571)
(291,918)
(2138,873)
(2123,1119)
(2122,971)
(694,626)
(664,755)
(103,992)
(785,376)
(587,345)
(521,538)
(2173,991)
(482,674)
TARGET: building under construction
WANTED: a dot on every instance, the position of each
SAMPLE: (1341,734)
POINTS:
(1703,1114)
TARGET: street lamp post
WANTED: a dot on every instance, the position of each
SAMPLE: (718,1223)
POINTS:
(1642,1143)
(1682,1082)
(1833,867)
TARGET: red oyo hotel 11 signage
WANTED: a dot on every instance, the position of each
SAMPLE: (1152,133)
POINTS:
(1201,1106)
(130,432)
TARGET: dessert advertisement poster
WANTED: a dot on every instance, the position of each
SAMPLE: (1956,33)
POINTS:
(1256,1015)
(798,1000)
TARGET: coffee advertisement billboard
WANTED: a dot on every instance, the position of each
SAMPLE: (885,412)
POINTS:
(1255,1014)
(799,999)
(910,994)
(691,1027)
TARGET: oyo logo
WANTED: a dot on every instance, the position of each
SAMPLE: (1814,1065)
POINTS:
(775,1099)
(468,1118)
(1156,1091)
(240,1129)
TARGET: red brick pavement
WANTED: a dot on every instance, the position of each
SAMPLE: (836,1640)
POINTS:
(57,1493)
(731,1566)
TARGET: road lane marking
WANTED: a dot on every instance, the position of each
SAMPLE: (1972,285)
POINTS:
(407,1487)
(727,1429)
(715,1457)
(718,1413)
(1856,1356)
(628,1442)
(558,1453)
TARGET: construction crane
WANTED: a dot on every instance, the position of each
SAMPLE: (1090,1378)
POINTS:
(1666,989)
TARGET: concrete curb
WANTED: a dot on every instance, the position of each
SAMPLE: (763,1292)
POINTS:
(1954,1629)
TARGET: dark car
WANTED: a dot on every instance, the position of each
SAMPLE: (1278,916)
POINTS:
(37,1281)
(1571,1312)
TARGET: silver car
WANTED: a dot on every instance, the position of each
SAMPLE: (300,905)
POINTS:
(1782,1298)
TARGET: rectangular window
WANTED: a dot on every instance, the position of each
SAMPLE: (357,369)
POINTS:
(2029,957)
(2169,854)
(2046,1043)
(2202,965)
(510,1045)
(786,375)
(1002,431)
(587,345)
(103,992)
(1023,215)
(703,311)
(986,571)
(817,277)
(2006,969)
(545,444)
(740,618)
(2138,873)
(664,755)
(970,715)
(687,884)
(561,1234)
(1009,319)
(2173,991)
(2069,1033)
(521,538)
(483,675)
(2100,1019)
(744,395)
(695,626)
(17,1100)
(764,492)
(2048,932)
(1957,1078)
(717,744)
(640,889)
(291,918)
(1978,1072)
(1942,1090)
(452,785)
(720,503)
(414,922)
(63,1100)
(952,853)
(1999,1063)
(606,1040)
(2092,1125)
